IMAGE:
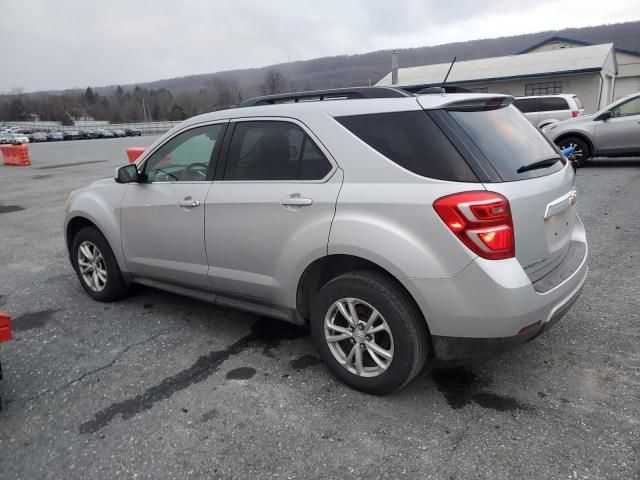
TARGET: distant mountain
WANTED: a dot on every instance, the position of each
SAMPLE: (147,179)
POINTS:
(352,70)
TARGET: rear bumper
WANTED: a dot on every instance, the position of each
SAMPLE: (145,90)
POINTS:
(492,306)
(451,348)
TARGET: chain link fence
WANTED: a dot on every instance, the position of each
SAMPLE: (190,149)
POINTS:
(144,127)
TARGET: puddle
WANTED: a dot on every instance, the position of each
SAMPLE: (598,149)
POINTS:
(242,373)
(10,208)
(30,321)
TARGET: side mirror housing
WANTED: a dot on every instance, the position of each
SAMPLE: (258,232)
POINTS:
(604,116)
(127,174)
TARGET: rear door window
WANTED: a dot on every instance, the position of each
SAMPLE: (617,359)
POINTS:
(413,141)
(508,141)
(274,150)
(550,104)
(526,105)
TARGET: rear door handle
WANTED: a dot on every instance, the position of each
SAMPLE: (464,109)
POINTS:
(296,200)
(188,203)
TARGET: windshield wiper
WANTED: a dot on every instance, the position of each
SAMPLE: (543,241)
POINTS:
(547,162)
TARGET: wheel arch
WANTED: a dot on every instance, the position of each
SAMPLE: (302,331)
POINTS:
(77,222)
(328,267)
(546,122)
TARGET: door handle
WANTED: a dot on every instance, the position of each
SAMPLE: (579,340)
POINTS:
(296,200)
(188,203)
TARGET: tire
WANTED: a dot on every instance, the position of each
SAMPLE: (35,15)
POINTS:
(407,341)
(111,285)
(581,146)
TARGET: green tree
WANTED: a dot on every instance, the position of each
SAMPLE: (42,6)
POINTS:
(90,96)
(177,113)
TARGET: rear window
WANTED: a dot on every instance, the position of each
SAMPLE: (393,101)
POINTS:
(413,141)
(509,141)
(578,104)
(549,104)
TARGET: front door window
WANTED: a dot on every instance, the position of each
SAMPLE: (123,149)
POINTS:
(186,157)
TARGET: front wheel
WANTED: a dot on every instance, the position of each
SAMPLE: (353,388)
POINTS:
(96,266)
(368,332)
(582,151)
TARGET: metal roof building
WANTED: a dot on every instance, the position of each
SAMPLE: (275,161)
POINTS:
(554,66)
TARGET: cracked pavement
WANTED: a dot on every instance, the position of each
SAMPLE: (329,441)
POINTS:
(162,386)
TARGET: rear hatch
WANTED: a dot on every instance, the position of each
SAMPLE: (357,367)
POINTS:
(527,169)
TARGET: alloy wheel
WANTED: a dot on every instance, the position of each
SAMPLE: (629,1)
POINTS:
(359,337)
(92,266)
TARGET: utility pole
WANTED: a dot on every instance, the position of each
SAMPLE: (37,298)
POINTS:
(144,111)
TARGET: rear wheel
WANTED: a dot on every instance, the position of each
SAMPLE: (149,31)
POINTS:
(582,151)
(96,266)
(368,332)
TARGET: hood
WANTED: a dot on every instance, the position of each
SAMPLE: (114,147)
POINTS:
(578,123)
(582,119)
(103,181)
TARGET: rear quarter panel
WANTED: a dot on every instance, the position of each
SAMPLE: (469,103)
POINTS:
(395,226)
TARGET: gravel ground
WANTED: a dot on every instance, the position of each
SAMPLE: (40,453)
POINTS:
(161,386)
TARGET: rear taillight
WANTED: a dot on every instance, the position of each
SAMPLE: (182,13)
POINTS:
(574,114)
(481,220)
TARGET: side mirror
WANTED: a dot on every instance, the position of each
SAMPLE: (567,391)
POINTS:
(127,174)
(604,116)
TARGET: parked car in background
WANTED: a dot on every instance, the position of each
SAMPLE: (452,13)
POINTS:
(613,131)
(102,133)
(400,228)
(71,135)
(18,138)
(5,137)
(91,134)
(132,132)
(542,110)
(38,137)
(55,136)
(119,133)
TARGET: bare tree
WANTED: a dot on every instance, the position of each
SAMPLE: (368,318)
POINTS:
(274,82)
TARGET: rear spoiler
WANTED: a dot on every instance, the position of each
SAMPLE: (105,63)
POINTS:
(480,104)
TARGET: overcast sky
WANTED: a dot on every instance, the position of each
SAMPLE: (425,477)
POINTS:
(47,44)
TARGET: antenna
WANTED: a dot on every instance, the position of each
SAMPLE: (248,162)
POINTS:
(448,72)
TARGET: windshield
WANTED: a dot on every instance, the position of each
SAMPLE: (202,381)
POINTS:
(509,141)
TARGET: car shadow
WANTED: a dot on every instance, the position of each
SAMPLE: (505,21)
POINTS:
(613,162)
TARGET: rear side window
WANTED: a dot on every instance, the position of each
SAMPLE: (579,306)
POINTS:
(274,150)
(509,141)
(413,141)
(526,105)
(549,104)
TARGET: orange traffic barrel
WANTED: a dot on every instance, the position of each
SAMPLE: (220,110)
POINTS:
(134,152)
(17,155)
(5,327)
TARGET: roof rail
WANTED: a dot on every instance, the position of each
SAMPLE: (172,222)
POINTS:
(331,94)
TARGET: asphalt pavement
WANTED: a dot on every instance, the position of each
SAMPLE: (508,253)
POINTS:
(162,386)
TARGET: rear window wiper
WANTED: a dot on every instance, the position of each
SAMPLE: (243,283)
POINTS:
(547,162)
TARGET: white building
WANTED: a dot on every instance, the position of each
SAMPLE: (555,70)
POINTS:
(598,74)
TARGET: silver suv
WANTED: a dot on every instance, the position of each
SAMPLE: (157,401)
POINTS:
(613,131)
(399,227)
(542,110)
